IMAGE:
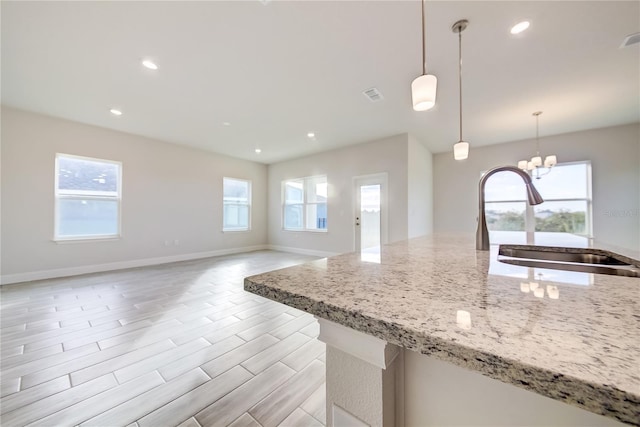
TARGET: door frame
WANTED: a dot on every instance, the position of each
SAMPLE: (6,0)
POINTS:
(381,178)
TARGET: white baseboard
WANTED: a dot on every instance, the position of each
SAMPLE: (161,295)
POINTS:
(96,268)
(302,251)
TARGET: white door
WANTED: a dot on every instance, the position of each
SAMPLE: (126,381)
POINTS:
(370,212)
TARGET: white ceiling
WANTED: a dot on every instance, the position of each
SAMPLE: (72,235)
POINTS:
(278,70)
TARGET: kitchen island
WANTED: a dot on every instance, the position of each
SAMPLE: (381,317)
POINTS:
(435,304)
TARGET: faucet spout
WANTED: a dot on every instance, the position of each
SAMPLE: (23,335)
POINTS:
(482,233)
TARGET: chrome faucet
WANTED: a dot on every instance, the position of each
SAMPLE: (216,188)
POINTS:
(482,234)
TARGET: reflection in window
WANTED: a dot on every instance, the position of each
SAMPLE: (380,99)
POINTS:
(305,204)
(237,204)
(87,197)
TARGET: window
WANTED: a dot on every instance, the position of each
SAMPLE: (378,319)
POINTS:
(566,191)
(88,196)
(237,204)
(305,204)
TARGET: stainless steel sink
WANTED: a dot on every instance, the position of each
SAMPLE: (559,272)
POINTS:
(585,260)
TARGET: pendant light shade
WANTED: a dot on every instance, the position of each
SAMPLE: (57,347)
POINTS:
(461,148)
(423,88)
(423,92)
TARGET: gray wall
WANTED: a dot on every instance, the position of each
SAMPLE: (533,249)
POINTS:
(420,189)
(615,157)
(385,155)
(169,192)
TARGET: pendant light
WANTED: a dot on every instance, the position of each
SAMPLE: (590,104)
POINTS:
(536,161)
(461,148)
(423,88)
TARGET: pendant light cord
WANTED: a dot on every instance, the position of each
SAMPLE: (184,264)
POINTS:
(537,135)
(424,60)
(460,75)
(537,114)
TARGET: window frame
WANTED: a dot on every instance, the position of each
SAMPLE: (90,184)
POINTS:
(306,182)
(248,204)
(529,212)
(85,195)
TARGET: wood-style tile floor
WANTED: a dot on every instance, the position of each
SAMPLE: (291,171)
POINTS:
(176,344)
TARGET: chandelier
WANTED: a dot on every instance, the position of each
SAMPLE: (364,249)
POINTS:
(536,163)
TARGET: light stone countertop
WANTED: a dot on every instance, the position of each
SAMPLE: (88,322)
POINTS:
(582,348)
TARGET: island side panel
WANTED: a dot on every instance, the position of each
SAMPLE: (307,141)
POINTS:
(438,393)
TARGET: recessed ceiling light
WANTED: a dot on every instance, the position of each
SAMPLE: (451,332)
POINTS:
(150,64)
(226,124)
(258,151)
(520,27)
(115,112)
(311,135)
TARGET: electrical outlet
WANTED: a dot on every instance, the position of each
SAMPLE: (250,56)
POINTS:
(167,243)
(176,242)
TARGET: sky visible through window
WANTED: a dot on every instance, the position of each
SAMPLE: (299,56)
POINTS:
(563,182)
(566,207)
(370,198)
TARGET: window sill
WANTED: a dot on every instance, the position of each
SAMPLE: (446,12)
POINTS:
(245,230)
(306,231)
(88,239)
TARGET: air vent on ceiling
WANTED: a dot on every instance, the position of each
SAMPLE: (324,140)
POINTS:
(373,94)
(630,39)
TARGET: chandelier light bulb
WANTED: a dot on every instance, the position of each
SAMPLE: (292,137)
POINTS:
(550,161)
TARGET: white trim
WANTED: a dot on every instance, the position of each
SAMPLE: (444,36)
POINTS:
(382,179)
(529,210)
(305,202)
(90,195)
(302,251)
(360,345)
(341,417)
(96,268)
(249,203)
(86,239)
(305,230)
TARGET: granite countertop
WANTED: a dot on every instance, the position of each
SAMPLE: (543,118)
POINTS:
(577,340)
